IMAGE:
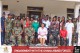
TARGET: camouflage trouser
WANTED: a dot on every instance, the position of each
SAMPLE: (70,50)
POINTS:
(51,41)
(12,40)
(74,37)
(7,36)
(63,41)
(54,40)
(18,39)
(28,39)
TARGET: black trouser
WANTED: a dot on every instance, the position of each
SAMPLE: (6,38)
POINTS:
(54,39)
(57,40)
(36,37)
(16,39)
(29,40)
(47,41)
(75,38)
(63,42)
(2,38)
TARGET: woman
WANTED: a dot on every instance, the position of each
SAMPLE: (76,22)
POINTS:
(18,20)
(42,34)
(63,35)
(35,26)
(27,22)
(32,20)
(23,22)
(62,22)
(54,21)
(78,30)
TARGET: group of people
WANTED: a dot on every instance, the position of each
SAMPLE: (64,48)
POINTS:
(54,31)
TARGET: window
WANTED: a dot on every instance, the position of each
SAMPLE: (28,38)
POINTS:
(70,13)
(5,7)
(34,11)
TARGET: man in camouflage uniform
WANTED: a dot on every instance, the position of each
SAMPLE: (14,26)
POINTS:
(17,31)
(75,35)
(8,29)
(54,36)
(29,34)
(16,20)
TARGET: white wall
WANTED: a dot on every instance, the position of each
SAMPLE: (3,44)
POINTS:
(0,9)
(0,19)
(50,6)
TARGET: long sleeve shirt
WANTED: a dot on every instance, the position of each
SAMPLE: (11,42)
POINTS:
(47,23)
(78,26)
(42,31)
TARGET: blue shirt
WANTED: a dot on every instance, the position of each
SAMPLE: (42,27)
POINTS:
(2,22)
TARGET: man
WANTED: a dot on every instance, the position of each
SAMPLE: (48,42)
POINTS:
(2,29)
(8,29)
(70,29)
(46,22)
(15,21)
(54,21)
(58,19)
(47,25)
(54,36)
(17,31)
(12,40)
(29,34)
(78,31)
(74,38)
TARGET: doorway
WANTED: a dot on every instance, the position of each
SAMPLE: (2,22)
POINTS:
(34,14)
(34,11)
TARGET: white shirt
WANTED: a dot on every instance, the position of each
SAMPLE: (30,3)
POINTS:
(78,26)
(42,31)
(47,23)
(69,27)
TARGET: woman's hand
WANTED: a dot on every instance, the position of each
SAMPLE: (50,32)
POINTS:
(51,36)
(64,38)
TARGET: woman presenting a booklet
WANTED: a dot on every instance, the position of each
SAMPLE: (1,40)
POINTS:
(42,34)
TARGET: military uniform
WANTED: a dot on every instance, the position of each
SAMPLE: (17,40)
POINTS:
(12,40)
(29,34)
(17,32)
(8,30)
(54,40)
(56,23)
(16,22)
(74,37)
